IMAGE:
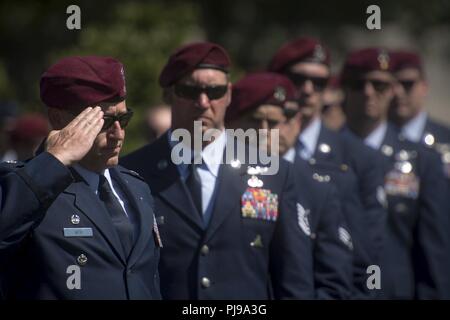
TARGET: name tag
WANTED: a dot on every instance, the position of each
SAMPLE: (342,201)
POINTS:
(78,232)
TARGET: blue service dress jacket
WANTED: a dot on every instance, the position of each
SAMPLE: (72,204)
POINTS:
(415,260)
(57,240)
(253,246)
(320,205)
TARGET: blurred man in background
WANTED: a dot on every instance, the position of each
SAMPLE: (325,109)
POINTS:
(26,135)
(267,100)
(306,62)
(415,259)
(407,110)
(332,115)
(8,113)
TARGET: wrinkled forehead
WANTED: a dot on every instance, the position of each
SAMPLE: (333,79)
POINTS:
(205,76)
(110,108)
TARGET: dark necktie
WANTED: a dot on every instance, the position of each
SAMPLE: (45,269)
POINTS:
(194,186)
(119,219)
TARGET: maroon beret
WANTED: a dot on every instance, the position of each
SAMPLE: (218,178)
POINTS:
(75,82)
(405,59)
(300,50)
(365,60)
(29,127)
(193,56)
(260,88)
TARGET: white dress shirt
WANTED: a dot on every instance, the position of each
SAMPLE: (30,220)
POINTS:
(376,137)
(93,179)
(414,128)
(208,171)
(309,137)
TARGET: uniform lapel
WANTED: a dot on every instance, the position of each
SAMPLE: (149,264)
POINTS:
(231,184)
(88,203)
(165,181)
(143,213)
(388,147)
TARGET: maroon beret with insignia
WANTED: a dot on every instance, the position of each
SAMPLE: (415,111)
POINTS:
(300,50)
(260,88)
(83,81)
(193,56)
(361,61)
(405,59)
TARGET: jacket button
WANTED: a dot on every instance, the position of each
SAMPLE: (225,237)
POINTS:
(206,283)
(82,259)
(204,250)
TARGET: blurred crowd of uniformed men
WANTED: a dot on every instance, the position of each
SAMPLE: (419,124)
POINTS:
(359,208)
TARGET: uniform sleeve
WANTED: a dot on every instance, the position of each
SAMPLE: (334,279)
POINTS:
(27,190)
(291,266)
(332,250)
(431,251)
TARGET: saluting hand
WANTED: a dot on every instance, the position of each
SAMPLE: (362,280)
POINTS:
(70,144)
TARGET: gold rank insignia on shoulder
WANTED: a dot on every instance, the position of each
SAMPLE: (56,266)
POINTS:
(259,203)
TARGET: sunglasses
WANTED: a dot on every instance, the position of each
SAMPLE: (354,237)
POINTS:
(407,84)
(122,118)
(299,79)
(193,92)
(359,85)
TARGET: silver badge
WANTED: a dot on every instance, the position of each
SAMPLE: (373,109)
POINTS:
(82,259)
(324,148)
(303,221)
(75,219)
(280,94)
(254,182)
(429,139)
(256,170)
(235,164)
(387,150)
(320,178)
